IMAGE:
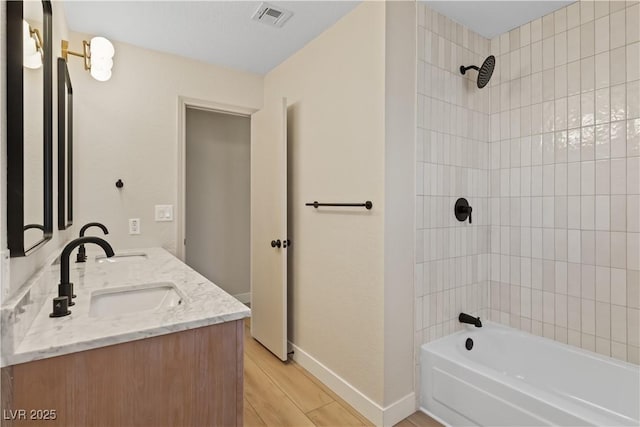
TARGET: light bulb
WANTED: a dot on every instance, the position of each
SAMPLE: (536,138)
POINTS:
(26,31)
(101,51)
(101,63)
(31,58)
(29,47)
(100,75)
(101,68)
(28,43)
(33,61)
(101,47)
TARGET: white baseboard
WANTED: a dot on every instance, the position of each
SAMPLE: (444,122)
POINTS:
(243,298)
(378,415)
(399,410)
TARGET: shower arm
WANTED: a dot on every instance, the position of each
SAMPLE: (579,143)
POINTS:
(463,69)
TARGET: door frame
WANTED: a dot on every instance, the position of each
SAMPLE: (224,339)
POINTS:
(200,104)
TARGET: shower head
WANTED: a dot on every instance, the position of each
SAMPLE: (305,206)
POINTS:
(484,72)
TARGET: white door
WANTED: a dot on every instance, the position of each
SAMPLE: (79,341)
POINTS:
(269,227)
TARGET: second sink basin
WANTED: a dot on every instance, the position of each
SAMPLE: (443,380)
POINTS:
(126,300)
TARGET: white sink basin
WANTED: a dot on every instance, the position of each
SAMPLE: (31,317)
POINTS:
(139,256)
(126,300)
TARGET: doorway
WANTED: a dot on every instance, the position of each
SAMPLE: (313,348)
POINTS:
(217,198)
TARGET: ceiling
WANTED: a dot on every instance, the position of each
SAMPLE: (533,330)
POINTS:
(222,32)
(216,32)
(492,18)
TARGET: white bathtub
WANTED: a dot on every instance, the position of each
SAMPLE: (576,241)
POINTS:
(517,379)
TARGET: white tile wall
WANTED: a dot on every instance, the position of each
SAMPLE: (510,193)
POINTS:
(549,157)
(567,268)
(453,161)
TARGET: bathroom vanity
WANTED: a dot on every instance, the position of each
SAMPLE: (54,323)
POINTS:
(149,342)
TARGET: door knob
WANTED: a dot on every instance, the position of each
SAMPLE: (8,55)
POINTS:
(286,243)
(276,243)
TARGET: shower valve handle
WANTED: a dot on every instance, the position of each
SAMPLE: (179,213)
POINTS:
(466,211)
(462,210)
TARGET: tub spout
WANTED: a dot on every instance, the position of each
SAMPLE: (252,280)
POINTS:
(466,318)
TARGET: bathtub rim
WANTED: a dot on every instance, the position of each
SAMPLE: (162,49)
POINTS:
(538,338)
(549,397)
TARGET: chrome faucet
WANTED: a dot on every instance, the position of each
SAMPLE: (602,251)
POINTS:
(65,287)
(82,253)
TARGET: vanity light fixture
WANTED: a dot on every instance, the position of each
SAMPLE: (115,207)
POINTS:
(32,46)
(97,55)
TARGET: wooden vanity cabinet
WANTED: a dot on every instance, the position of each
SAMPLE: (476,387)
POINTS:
(189,378)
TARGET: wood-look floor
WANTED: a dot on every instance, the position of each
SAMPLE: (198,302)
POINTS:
(280,394)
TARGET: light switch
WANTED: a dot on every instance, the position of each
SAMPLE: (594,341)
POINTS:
(164,212)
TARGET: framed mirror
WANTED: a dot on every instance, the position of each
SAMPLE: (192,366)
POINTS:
(65,146)
(29,126)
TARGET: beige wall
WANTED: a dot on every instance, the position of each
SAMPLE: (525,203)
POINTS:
(16,271)
(127,128)
(399,221)
(218,197)
(335,89)
(350,287)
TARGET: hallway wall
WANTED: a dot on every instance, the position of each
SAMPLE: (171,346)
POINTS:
(218,151)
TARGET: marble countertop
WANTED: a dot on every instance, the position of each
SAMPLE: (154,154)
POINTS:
(203,304)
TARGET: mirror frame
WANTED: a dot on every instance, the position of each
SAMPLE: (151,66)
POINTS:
(65,145)
(15,129)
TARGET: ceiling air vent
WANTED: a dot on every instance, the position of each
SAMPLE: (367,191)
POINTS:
(271,15)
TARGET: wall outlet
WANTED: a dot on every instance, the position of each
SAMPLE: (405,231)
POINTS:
(164,212)
(134,225)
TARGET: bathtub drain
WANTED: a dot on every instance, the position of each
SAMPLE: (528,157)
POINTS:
(469,344)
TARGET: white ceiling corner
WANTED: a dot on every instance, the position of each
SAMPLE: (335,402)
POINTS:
(216,32)
(223,33)
(492,18)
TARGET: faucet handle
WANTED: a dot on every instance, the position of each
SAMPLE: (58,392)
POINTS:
(60,307)
(66,290)
(81,257)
